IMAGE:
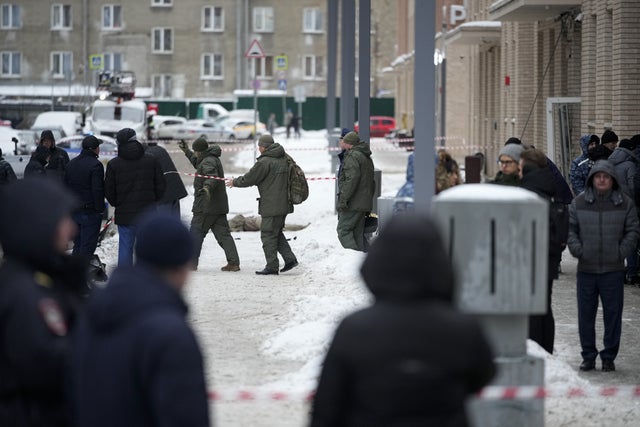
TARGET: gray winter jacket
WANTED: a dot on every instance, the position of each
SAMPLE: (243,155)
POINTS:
(625,164)
(603,230)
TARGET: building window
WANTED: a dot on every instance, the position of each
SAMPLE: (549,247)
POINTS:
(11,64)
(212,66)
(162,85)
(262,68)
(313,67)
(162,40)
(162,3)
(212,18)
(312,20)
(112,61)
(61,17)
(263,19)
(61,64)
(111,17)
(11,16)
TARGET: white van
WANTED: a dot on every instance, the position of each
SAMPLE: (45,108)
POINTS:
(69,121)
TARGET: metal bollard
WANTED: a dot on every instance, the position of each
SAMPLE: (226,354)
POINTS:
(498,239)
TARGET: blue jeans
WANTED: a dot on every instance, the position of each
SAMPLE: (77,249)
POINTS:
(127,235)
(609,287)
(86,239)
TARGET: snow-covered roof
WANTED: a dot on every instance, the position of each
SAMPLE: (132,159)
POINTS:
(57,90)
(481,24)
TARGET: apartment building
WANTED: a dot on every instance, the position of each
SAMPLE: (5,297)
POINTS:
(546,71)
(177,48)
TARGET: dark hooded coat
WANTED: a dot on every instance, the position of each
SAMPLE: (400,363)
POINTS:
(625,164)
(175,189)
(37,163)
(138,357)
(411,359)
(271,174)
(580,167)
(133,182)
(39,296)
(603,229)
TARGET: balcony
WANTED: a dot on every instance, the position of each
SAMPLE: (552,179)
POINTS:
(529,10)
(475,33)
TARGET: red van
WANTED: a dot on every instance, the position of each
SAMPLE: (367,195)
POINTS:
(379,125)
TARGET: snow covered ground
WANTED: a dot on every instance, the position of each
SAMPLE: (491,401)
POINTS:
(271,333)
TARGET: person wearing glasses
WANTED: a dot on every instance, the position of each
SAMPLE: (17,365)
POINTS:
(508,162)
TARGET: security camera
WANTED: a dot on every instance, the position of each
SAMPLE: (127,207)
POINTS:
(578,17)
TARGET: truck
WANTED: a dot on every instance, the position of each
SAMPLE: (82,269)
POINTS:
(116,109)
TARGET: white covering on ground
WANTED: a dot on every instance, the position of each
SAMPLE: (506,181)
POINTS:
(272,332)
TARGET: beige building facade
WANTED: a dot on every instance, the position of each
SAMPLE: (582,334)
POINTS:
(544,71)
(177,48)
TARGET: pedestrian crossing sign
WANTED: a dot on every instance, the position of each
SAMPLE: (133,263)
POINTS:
(96,62)
(282,62)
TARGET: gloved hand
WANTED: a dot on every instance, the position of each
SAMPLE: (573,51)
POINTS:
(183,145)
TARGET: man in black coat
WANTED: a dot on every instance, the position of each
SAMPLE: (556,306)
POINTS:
(175,187)
(36,164)
(40,289)
(85,177)
(411,358)
(58,158)
(133,184)
(535,176)
(136,361)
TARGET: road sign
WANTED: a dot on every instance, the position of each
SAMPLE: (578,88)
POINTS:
(282,62)
(256,84)
(255,50)
(282,84)
(299,93)
(282,75)
(96,61)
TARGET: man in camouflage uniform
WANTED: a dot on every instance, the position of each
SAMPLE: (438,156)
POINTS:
(210,205)
(271,175)
(355,192)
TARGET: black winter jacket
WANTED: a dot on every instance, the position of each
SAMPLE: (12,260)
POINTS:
(175,189)
(411,359)
(135,343)
(58,161)
(541,182)
(133,182)
(85,177)
(39,291)
(36,166)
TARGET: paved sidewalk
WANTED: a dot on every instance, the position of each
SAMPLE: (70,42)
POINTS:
(567,343)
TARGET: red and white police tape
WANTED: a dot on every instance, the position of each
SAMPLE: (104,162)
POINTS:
(487,393)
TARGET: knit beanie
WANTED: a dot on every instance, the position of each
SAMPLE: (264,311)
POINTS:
(344,132)
(200,144)
(163,241)
(512,151)
(513,140)
(265,140)
(609,136)
(351,138)
(125,135)
(594,138)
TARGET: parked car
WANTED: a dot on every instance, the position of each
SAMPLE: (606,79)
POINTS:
(166,127)
(27,140)
(239,127)
(379,125)
(73,146)
(192,129)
